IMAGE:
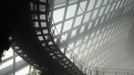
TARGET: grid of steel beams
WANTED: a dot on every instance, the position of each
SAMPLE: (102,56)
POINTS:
(100,22)
(91,25)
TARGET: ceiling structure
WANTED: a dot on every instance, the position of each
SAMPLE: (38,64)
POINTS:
(93,34)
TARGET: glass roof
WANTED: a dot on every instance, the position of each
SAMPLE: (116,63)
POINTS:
(93,33)
(89,30)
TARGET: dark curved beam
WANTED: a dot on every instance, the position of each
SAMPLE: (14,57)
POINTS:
(43,53)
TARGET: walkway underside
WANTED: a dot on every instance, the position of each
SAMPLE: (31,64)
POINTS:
(45,57)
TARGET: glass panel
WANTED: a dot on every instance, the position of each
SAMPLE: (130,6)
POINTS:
(71,11)
(99,3)
(101,11)
(78,21)
(82,7)
(67,25)
(95,14)
(73,33)
(91,4)
(58,15)
(87,16)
